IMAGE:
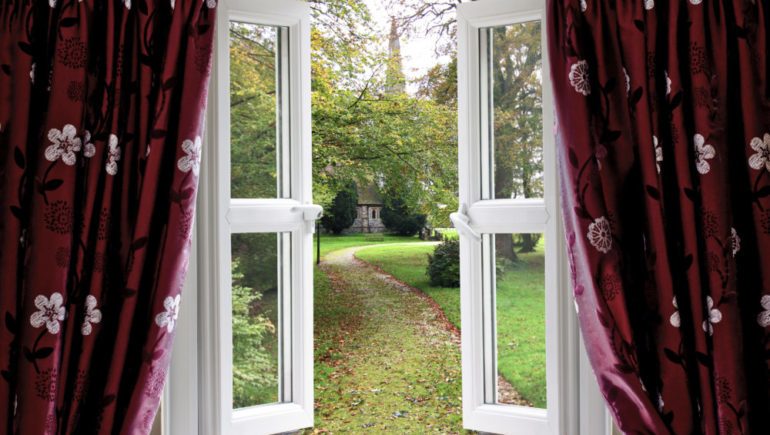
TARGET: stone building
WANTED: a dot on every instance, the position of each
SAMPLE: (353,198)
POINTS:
(368,211)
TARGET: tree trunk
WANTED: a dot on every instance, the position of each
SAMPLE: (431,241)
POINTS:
(504,247)
(527,243)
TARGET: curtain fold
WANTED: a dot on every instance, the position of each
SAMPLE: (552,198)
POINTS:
(101,114)
(663,136)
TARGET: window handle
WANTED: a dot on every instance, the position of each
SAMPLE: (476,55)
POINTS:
(461,221)
(310,213)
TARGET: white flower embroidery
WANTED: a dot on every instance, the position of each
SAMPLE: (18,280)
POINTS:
(583,5)
(579,78)
(52,3)
(168,318)
(735,241)
(649,4)
(113,155)
(193,158)
(628,81)
(600,234)
(714,316)
(32,73)
(172,4)
(762,157)
(668,84)
(661,403)
(764,317)
(675,320)
(658,153)
(50,312)
(89,150)
(696,2)
(64,144)
(93,315)
(211,4)
(127,3)
(703,152)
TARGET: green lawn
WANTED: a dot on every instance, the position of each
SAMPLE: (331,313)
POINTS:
(331,242)
(520,310)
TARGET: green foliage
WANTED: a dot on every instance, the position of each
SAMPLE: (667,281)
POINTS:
(444,264)
(341,214)
(398,218)
(440,84)
(253,138)
(255,372)
(361,131)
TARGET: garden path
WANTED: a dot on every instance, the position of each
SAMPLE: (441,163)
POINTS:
(388,361)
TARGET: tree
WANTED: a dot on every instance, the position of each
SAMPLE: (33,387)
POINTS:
(397,217)
(341,214)
(518,116)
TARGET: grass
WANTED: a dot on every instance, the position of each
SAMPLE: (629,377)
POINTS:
(331,242)
(520,310)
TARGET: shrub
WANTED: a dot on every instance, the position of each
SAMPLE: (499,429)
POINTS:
(342,213)
(444,264)
(253,362)
(399,219)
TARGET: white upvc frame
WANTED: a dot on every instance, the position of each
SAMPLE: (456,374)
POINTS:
(481,217)
(293,214)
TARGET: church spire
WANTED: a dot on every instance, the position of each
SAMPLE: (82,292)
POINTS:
(394,76)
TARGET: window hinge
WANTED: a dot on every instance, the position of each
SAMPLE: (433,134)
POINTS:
(310,213)
(461,221)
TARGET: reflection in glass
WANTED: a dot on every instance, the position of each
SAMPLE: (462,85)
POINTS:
(519,309)
(255,112)
(515,110)
(256,272)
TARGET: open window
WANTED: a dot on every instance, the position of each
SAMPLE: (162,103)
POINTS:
(508,197)
(256,314)
(251,264)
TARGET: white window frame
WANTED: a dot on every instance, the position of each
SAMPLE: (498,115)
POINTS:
(222,216)
(194,401)
(570,408)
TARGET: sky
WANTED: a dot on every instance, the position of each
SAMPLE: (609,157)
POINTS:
(418,52)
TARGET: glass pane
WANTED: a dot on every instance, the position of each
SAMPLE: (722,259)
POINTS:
(515,125)
(518,305)
(257,167)
(259,268)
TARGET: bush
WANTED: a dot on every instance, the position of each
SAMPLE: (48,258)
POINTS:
(254,364)
(399,219)
(444,264)
(342,213)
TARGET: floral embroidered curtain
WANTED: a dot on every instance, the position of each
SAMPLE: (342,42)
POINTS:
(101,109)
(664,145)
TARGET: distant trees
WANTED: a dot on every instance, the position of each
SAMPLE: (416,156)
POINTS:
(400,219)
(341,213)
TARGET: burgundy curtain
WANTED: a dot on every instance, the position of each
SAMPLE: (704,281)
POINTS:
(101,110)
(664,144)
